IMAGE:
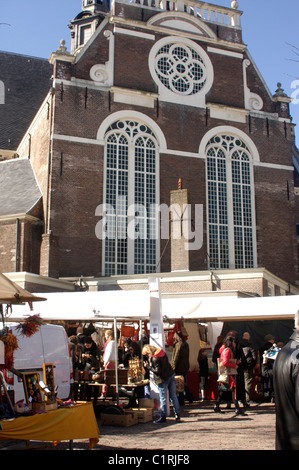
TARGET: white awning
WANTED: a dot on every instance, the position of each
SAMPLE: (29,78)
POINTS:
(135,305)
(243,309)
(88,306)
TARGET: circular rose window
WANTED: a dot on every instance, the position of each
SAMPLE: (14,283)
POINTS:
(180,68)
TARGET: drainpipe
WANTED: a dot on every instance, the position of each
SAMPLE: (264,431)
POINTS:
(49,164)
(17,267)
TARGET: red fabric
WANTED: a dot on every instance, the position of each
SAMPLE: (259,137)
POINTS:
(226,356)
(159,353)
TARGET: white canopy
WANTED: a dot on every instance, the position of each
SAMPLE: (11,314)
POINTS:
(135,305)
(237,309)
(88,306)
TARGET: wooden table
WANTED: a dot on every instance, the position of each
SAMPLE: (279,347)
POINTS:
(67,423)
(97,386)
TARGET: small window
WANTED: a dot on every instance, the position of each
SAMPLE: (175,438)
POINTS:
(85,33)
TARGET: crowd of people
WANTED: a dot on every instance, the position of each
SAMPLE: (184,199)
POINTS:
(237,361)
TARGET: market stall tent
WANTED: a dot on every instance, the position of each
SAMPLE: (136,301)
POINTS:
(89,306)
(135,305)
(11,293)
(244,309)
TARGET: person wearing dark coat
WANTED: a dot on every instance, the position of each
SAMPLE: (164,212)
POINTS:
(286,387)
(216,353)
(164,377)
(180,364)
(91,354)
(251,358)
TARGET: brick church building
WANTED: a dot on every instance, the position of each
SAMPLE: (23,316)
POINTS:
(156,105)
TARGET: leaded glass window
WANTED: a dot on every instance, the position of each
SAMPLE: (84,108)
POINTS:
(230,207)
(131,162)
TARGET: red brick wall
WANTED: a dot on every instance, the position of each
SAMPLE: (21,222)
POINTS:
(76,178)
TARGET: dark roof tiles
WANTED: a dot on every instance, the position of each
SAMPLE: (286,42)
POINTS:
(27,81)
(19,189)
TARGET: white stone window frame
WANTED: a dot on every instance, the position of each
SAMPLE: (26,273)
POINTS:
(165,94)
(160,145)
(254,155)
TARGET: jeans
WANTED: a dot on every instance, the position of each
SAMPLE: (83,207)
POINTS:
(168,385)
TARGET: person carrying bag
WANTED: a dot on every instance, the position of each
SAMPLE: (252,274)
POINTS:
(227,371)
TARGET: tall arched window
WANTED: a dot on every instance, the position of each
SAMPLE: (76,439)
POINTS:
(130,245)
(231,224)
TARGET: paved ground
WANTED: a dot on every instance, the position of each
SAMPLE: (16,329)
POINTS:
(200,429)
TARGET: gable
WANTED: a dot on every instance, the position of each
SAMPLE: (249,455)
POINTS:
(181,22)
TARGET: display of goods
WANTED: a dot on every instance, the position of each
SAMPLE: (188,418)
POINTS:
(30,326)
(110,379)
(11,344)
(180,383)
(136,370)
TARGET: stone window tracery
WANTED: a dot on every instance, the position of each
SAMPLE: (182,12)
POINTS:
(182,71)
(180,68)
(130,245)
(230,207)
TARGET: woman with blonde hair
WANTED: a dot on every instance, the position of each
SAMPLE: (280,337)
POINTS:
(164,377)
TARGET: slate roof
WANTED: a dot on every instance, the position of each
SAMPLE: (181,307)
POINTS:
(27,81)
(19,189)
(295,156)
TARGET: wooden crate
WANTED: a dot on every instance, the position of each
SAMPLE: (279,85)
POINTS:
(122,376)
(144,415)
(128,419)
(146,402)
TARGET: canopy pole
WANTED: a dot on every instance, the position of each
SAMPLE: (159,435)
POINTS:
(2,315)
(140,336)
(116,360)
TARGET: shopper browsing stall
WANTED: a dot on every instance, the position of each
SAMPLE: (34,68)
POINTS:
(165,379)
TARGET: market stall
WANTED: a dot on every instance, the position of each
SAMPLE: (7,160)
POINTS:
(47,418)
(67,423)
(136,307)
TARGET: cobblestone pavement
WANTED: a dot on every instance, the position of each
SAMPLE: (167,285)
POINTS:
(200,429)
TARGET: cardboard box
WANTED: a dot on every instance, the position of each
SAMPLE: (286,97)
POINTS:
(128,419)
(44,406)
(144,415)
(146,402)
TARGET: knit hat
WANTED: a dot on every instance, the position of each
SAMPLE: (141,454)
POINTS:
(269,338)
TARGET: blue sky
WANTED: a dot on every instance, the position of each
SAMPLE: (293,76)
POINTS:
(35,27)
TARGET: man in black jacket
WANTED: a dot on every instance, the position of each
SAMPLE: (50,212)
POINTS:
(250,354)
(286,387)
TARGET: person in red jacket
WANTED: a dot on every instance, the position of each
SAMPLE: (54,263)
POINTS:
(228,383)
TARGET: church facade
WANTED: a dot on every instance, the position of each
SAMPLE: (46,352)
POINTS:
(157,148)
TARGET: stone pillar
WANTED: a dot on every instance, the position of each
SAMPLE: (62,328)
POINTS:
(180,255)
(49,260)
